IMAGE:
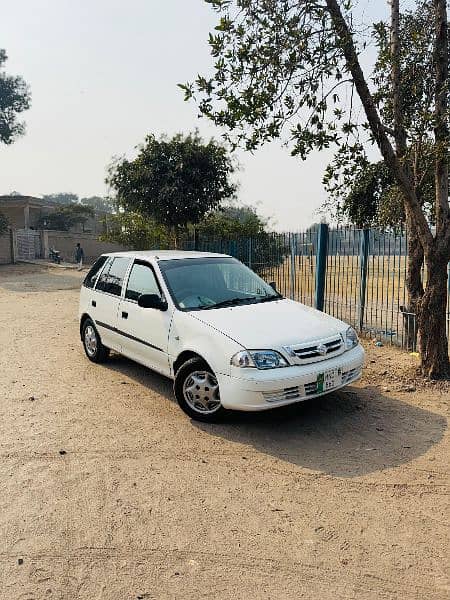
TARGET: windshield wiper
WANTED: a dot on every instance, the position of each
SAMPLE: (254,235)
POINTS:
(230,302)
(270,298)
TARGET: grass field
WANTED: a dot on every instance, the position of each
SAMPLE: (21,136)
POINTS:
(385,292)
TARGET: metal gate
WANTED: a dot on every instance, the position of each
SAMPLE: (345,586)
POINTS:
(28,244)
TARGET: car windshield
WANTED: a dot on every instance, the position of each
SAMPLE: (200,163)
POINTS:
(209,283)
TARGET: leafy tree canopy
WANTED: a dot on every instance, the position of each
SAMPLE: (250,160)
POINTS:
(365,192)
(65,217)
(15,97)
(62,198)
(135,231)
(232,222)
(98,203)
(175,180)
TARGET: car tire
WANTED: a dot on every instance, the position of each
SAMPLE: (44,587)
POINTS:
(92,343)
(197,392)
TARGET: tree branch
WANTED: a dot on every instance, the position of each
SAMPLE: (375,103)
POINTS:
(373,118)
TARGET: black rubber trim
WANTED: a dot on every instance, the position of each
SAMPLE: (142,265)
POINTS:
(127,335)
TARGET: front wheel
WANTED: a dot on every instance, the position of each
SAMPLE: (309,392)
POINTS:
(197,391)
(95,350)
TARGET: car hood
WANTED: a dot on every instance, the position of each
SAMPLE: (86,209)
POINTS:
(271,324)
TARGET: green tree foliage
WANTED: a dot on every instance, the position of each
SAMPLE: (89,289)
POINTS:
(65,217)
(65,198)
(294,69)
(175,180)
(4,223)
(367,193)
(14,99)
(135,231)
(232,222)
(98,203)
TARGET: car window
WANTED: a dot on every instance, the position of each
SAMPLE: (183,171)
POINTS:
(91,277)
(111,279)
(205,283)
(142,280)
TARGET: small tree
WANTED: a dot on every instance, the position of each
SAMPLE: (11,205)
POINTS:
(232,222)
(14,99)
(65,217)
(175,181)
(136,231)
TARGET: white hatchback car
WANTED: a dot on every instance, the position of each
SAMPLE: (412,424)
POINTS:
(227,338)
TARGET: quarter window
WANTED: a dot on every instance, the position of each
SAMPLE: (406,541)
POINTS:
(142,280)
(91,277)
(111,279)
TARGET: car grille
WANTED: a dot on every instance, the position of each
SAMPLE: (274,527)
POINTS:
(312,351)
(294,392)
(289,393)
(349,375)
(311,388)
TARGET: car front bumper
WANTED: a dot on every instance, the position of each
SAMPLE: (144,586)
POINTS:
(266,389)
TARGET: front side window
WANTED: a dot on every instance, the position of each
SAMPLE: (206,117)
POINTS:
(111,279)
(204,283)
(142,280)
(91,277)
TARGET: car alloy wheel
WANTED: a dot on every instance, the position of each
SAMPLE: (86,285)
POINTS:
(201,392)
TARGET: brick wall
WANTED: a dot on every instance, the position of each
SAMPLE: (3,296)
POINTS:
(5,249)
(65,242)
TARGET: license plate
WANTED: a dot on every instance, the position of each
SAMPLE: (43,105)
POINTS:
(328,380)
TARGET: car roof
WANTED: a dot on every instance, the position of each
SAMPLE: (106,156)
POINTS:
(166,254)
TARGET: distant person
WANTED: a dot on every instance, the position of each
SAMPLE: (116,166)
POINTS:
(79,255)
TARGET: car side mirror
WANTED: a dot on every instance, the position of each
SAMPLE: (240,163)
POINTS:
(273,285)
(152,301)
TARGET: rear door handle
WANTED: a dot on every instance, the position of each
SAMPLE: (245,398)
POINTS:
(94,303)
(124,315)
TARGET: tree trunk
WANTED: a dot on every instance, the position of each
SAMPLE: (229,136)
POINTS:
(432,323)
(414,287)
(433,344)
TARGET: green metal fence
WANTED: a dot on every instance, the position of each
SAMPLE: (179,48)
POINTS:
(356,275)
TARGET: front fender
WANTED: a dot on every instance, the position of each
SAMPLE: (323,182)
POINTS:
(188,334)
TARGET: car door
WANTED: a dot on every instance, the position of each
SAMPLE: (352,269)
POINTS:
(144,331)
(107,294)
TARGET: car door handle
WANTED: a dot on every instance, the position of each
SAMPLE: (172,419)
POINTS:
(94,303)
(124,315)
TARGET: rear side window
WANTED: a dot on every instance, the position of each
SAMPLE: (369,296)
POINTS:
(111,279)
(142,280)
(91,277)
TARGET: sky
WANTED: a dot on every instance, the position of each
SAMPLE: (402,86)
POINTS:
(104,74)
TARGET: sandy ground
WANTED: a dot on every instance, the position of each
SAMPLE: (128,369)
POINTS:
(109,492)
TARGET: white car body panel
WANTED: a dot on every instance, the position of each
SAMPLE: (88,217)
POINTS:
(158,338)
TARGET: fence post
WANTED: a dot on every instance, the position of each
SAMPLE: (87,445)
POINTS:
(321,265)
(363,266)
(196,244)
(292,244)
(249,242)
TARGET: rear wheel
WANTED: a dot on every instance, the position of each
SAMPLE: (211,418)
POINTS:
(95,350)
(197,391)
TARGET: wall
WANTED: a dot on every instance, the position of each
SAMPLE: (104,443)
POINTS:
(65,242)
(5,249)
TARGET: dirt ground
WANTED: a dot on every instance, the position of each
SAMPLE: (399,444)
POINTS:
(109,492)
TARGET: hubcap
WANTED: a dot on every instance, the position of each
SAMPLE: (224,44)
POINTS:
(90,340)
(201,392)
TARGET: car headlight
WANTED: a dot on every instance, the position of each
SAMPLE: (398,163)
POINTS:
(350,339)
(261,359)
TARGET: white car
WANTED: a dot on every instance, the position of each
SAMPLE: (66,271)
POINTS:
(226,337)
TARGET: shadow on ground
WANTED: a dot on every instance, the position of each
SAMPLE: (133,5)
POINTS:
(350,433)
